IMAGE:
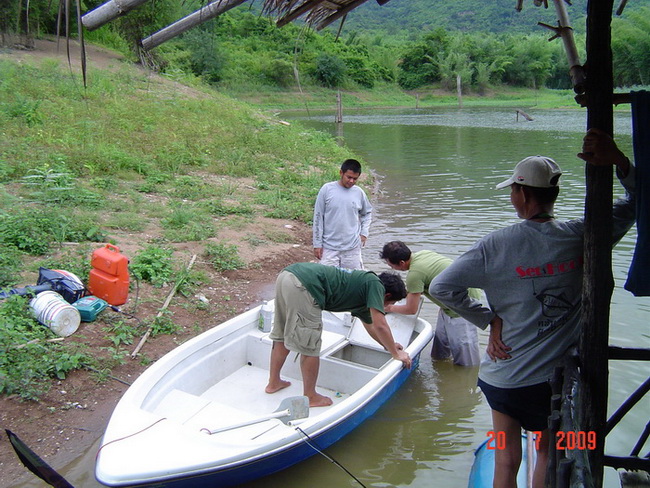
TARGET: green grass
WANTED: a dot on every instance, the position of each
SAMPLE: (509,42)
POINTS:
(390,96)
(78,165)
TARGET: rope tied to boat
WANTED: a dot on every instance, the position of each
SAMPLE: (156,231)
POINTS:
(128,436)
(310,443)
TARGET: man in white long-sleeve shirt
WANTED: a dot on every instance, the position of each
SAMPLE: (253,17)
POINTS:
(342,217)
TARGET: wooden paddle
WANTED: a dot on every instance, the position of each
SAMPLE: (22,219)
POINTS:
(290,408)
(35,464)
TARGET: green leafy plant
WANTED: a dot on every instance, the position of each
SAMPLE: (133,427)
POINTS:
(27,359)
(31,230)
(329,70)
(64,363)
(254,240)
(25,109)
(187,223)
(219,208)
(10,265)
(191,280)
(116,357)
(163,324)
(153,264)
(223,257)
(49,185)
(120,332)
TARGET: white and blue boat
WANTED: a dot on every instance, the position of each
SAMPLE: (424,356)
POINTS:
(200,417)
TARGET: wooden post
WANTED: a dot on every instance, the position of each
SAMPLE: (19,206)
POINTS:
(210,11)
(339,108)
(168,300)
(598,279)
(107,12)
(565,31)
(459,90)
(417,101)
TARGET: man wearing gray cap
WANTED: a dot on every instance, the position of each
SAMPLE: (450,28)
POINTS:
(531,273)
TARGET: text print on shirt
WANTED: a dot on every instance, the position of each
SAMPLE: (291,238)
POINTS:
(549,269)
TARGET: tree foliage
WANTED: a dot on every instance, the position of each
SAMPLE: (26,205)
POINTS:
(631,49)
(329,70)
(243,49)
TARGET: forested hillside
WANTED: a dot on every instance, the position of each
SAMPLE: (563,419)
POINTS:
(425,45)
(498,16)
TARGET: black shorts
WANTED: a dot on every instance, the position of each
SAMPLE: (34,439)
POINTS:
(529,405)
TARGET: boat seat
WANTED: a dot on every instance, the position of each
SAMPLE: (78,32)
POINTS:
(216,415)
(401,326)
(329,341)
(180,406)
(198,412)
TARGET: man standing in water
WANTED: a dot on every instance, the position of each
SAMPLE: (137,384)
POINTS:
(342,216)
(531,273)
(302,292)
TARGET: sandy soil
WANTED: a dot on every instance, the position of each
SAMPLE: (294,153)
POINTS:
(73,415)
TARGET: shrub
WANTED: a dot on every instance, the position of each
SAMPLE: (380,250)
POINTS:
(223,257)
(28,361)
(153,265)
(278,72)
(329,70)
(10,265)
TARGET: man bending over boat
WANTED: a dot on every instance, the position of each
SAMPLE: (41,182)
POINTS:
(302,292)
(455,337)
(531,273)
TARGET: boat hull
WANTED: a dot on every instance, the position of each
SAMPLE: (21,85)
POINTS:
(482,472)
(153,438)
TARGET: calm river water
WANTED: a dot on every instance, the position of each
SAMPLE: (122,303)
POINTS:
(438,170)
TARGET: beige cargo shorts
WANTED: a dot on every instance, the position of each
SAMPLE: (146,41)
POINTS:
(297,321)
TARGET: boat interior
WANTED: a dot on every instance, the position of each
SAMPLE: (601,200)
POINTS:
(222,381)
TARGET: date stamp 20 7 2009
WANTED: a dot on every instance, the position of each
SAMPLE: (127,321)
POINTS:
(569,440)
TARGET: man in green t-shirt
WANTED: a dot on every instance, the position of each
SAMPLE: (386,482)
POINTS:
(455,337)
(302,292)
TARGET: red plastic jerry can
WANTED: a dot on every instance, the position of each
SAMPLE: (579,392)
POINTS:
(109,276)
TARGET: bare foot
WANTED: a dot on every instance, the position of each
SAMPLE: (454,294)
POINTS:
(319,400)
(273,387)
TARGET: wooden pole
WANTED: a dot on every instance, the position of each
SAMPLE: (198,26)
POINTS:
(108,11)
(168,300)
(459,90)
(339,108)
(210,11)
(565,31)
(598,278)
